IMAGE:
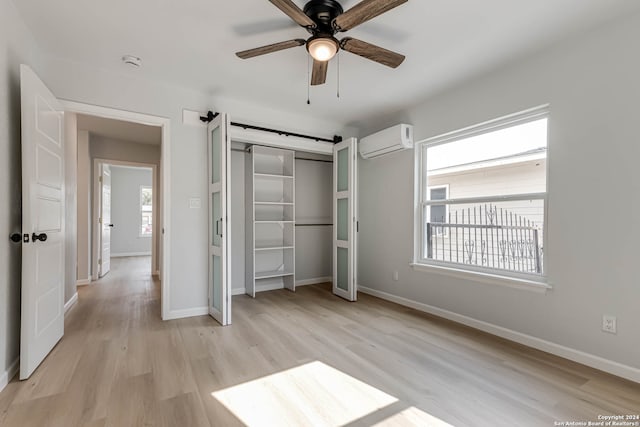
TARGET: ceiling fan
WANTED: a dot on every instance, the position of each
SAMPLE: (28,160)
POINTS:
(323,19)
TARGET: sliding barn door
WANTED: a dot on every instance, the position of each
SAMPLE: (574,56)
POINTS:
(219,154)
(43,200)
(345,223)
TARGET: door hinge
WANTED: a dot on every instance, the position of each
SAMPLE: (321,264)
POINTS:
(99,262)
(100,178)
(100,220)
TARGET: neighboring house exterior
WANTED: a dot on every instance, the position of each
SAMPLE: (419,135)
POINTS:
(500,235)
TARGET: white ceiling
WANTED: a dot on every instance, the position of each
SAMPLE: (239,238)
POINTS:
(120,130)
(191,43)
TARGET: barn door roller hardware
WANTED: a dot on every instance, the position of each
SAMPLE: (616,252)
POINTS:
(211,115)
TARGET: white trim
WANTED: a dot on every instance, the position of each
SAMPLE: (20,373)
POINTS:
(190,312)
(485,277)
(127,254)
(629,372)
(70,303)
(9,373)
(238,291)
(314,281)
(164,195)
(493,125)
(83,282)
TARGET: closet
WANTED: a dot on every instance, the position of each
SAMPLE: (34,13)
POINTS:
(282,224)
(273,201)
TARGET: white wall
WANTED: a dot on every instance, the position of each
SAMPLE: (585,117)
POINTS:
(125,211)
(592,86)
(84,208)
(16,46)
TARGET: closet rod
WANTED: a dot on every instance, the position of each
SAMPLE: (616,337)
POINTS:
(211,115)
(243,150)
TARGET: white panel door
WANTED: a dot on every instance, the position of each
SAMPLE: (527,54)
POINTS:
(219,155)
(43,222)
(345,219)
(105,220)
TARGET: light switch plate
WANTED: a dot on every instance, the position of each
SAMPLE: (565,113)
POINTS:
(195,203)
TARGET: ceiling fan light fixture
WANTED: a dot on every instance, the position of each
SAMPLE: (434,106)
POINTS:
(322,48)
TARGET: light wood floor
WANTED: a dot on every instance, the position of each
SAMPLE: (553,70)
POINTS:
(305,359)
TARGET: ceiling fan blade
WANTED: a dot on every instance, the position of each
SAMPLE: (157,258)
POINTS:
(319,74)
(372,52)
(270,48)
(294,12)
(364,11)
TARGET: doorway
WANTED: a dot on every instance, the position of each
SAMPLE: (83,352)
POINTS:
(114,156)
(124,198)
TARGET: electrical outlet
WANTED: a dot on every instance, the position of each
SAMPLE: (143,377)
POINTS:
(609,324)
(395,276)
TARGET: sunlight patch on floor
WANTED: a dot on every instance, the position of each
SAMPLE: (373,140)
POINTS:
(313,394)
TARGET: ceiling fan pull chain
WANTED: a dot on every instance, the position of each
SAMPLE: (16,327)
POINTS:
(308,82)
(338,91)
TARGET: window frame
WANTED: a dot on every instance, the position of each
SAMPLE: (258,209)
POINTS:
(141,212)
(533,281)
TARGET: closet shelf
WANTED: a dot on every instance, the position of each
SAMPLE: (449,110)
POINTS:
(275,273)
(274,203)
(274,222)
(273,248)
(272,176)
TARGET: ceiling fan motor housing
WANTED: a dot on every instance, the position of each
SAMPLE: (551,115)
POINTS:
(323,12)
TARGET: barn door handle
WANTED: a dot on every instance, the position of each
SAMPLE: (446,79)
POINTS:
(42,237)
(218,227)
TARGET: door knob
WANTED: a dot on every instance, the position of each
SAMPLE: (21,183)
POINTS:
(16,237)
(42,237)
(110,225)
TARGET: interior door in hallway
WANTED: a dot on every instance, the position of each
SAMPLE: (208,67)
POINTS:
(219,155)
(43,222)
(105,220)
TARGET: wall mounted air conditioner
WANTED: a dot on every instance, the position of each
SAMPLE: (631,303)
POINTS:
(395,138)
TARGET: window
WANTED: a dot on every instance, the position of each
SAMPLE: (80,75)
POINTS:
(437,213)
(146,211)
(482,197)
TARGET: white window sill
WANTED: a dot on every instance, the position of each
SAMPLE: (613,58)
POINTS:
(492,279)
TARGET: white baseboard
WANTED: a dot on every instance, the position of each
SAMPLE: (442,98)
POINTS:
(190,312)
(629,372)
(83,282)
(126,254)
(9,373)
(70,303)
(238,291)
(314,281)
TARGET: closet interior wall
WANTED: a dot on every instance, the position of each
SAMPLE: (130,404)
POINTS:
(313,205)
